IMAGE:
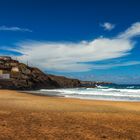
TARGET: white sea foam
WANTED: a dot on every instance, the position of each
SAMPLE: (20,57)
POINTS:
(101,93)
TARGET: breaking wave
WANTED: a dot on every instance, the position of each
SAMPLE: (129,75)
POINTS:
(116,93)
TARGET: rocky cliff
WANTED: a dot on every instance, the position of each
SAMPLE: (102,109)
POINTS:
(32,78)
(64,82)
(23,77)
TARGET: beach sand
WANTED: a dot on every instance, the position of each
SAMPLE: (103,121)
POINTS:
(30,117)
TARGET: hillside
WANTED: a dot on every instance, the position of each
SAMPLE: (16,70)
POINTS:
(16,75)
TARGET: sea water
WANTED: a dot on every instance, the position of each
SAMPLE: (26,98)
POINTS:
(109,92)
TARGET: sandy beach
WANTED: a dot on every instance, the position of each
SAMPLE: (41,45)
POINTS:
(30,117)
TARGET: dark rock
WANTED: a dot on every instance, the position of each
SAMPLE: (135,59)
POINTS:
(65,82)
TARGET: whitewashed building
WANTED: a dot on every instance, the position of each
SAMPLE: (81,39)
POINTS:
(4,76)
(5,72)
(15,69)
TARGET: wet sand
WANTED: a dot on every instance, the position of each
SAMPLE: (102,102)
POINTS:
(29,117)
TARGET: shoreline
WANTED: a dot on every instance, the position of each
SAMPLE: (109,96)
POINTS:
(27,116)
(57,94)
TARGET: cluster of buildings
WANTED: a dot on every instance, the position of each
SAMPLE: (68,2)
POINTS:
(8,66)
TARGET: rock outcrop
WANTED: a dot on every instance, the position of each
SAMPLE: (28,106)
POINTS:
(31,78)
(92,84)
(64,82)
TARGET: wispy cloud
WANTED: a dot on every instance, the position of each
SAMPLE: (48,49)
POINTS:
(131,32)
(107,66)
(73,57)
(108,26)
(14,29)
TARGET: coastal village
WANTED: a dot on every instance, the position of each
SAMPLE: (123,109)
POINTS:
(8,67)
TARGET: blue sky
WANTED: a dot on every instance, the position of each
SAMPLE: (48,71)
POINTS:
(86,39)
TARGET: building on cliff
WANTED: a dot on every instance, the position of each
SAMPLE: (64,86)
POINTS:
(4,72)
(7,67)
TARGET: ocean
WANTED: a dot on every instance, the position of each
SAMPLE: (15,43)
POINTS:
(108,92)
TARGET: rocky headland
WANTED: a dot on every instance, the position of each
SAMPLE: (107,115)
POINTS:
(24,77)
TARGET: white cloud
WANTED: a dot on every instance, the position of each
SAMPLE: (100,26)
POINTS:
(14,29)
(131,32)
(72,57)
(107,66)
(108,26)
